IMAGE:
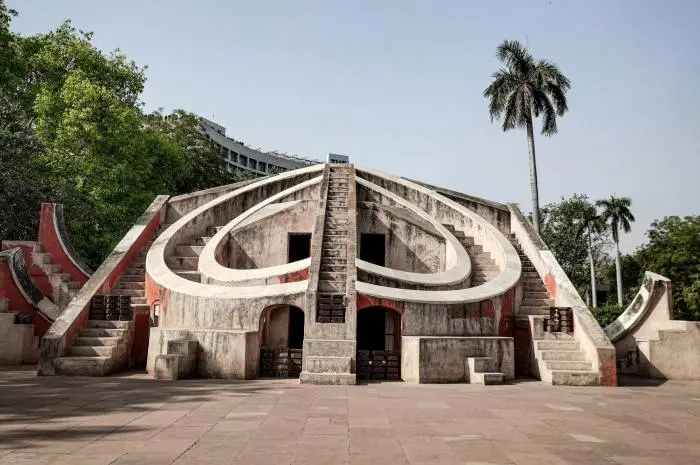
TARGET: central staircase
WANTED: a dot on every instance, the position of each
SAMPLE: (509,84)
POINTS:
(332,279)
(484,268)
(328,356)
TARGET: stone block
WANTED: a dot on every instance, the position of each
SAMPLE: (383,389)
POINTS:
(167,366)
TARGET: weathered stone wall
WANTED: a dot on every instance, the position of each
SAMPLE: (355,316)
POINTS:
(411,245)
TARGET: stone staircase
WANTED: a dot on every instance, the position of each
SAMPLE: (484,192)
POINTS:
(536,300)
(186,259)
(99,349)
(332,279)
(328,357)
(103,346)
(64,288)
(484,370)
(559,358)
(484,268)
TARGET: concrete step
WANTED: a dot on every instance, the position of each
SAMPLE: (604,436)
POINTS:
(334,261)
(557,345)
(101,333)
(325,267)
(73,285)
(535,294)
(141,306)
(190,275)
(476,266)
(83,366)
(487,379)
(60,277)
(189,250)
(541,311)
(96,341)
(129,292)
(474,249)
(335,239)
(332,276)
(91,351)
(139,277)
(333,253)
(537,302)
(331,286)
(557,337)
(561,355)
(466,241)
(482,364)
(39,248)
(182,263)
(568,365)
(327,378)
(41,258)
(108,324)
(137,285)
(328,364)
(575,378)
(52,268)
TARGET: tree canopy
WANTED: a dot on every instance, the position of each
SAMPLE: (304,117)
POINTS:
(73,130)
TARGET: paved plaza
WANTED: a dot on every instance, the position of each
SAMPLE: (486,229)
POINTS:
(135,419)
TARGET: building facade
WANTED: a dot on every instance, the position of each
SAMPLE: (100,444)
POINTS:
(239,158)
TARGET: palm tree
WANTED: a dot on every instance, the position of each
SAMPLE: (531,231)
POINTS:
(588,224)
(525,88)
(616,213)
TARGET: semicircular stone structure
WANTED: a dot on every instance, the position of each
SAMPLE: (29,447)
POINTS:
(335,273)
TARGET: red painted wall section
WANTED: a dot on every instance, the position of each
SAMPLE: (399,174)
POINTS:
(367,301)
(296,276)
(50,240)
(505,323)
(17,302)
(522,346)
(551,285)
(36,272)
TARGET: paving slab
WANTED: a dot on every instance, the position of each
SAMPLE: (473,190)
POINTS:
(131,419)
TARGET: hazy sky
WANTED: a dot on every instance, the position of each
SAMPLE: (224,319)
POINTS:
(398,86)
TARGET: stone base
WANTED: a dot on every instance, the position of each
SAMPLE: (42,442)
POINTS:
(327,378)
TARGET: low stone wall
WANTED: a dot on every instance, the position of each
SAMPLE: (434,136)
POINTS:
(62,333)
(226,354)
(16,341)
(444,359)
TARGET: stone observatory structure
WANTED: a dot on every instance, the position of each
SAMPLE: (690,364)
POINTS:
(332,273)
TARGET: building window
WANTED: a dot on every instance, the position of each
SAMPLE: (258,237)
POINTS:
(253,164)
(243,160)
(262,167)
(234,157)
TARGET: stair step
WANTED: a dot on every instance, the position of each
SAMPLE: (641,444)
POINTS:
(332,276)
(182,263)
(136,285)
(96,341)
(575,378)
(52,268)
(91,351)
(536,302)
(129,292)
(328,364)
(101,333)
(488,379)
(568,365)
(212,230)
(331,286)
(108,324)
(562,355)
(557,345)
(535,294)
(536,311)
(83,366)
(132,277)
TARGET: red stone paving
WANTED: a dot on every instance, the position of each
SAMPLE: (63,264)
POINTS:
(135,419)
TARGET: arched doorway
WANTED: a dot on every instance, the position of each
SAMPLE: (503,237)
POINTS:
(281,341)
(378,344)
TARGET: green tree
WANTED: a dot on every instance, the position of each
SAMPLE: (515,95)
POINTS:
(586,225)
(523,89)
(674,252)
(560,231)
(616,213)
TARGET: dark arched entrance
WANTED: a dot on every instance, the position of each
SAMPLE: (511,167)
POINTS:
(281,341)
(378,344)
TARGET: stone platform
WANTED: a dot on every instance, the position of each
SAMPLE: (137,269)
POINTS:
(135,419)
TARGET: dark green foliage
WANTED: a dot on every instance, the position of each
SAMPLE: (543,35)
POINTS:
(607,313)
(564,231)
(673,251)
(72,130)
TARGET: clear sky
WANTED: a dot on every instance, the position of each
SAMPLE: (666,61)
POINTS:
(398,86)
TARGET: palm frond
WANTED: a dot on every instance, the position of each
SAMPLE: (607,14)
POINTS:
(515,56)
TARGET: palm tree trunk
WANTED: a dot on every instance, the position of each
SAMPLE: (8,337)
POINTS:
(533,177)
(594,298)
(618,270)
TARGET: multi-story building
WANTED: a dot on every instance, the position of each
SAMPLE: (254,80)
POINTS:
(238,157)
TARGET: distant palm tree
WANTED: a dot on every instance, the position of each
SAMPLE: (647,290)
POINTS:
(588,224)
(523,89)
(616,213)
